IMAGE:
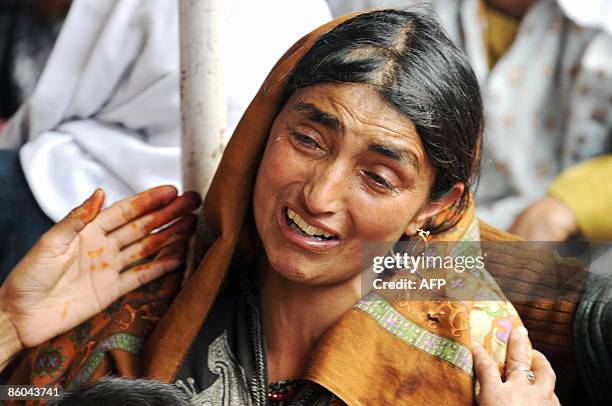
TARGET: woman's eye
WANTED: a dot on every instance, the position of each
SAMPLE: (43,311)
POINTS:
(305,139)
(380,181)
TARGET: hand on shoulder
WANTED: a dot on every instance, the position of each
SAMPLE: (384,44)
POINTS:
(526,382)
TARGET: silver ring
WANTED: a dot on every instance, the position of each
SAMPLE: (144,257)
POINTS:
(528,372)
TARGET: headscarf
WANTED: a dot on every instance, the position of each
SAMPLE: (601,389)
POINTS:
(380,352)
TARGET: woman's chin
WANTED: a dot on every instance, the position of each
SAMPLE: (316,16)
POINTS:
(297,274)
(310,274)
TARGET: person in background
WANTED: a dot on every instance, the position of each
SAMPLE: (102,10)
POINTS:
(579,201)
(105,112)
(545,69)
(28,31)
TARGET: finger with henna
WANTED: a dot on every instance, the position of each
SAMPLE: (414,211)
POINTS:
(142,226)
(155,242)
(134,207)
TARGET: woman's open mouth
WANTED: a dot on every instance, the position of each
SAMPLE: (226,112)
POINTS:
(299,224)
(307,236)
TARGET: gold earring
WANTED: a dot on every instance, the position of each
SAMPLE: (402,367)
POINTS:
(423,236)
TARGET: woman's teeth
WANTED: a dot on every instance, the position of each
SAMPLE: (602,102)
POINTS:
(305,227)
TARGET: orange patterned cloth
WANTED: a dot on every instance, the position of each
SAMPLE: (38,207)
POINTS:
(382,351)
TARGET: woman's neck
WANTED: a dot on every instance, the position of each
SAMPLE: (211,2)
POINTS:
(296,316)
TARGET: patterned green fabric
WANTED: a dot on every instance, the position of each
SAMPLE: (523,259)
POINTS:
(391,320)
(119,341)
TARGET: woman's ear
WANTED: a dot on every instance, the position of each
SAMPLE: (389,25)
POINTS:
(434,207)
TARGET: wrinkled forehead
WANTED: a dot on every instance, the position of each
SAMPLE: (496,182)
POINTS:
(358,112)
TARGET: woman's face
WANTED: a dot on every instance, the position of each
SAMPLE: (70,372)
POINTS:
(340,168)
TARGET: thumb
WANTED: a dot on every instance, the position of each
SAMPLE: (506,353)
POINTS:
(90,208)
(64,232)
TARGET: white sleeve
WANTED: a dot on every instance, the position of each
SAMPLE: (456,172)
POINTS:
(65,165)
(106,109)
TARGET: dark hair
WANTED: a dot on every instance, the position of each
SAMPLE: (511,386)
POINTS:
(417,70)
(111,391)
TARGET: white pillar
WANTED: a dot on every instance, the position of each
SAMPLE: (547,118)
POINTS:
(203,100)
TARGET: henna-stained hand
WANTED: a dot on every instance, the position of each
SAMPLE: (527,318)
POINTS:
(93,257)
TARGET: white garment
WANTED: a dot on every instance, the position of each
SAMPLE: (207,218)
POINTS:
(589,13)
(342,7)
(547,101)
(105,111)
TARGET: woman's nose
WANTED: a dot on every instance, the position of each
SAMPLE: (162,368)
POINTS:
(325,190)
